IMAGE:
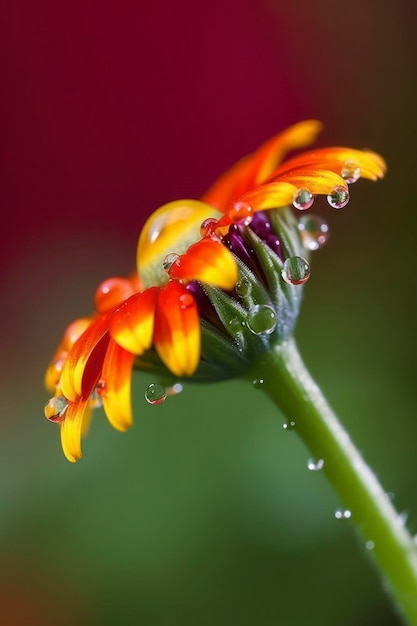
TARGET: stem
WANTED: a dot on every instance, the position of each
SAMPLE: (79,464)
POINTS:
(289,385)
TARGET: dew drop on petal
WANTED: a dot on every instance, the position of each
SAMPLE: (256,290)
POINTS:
(155,394)
(174,390)
(351,172)
(258,383)
(315,466)
(261,319)
(289,425)
(338,198)
(343,514)
(314,231)
(208,226)
(296,270)
(55,409)
(303,200)
(241,213)
(186,300)
(169,260)
(243,287)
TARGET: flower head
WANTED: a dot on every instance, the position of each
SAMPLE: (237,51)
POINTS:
(218,280)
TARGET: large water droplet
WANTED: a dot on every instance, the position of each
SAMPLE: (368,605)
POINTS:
(155,394)
(258,383)
(351,172)
(314,231)
(303,200)
(261,319)
(343,514)
(338,198)
(315,466)
(243,287)
(169,260)
(289,425)
(296,270)
(55,409)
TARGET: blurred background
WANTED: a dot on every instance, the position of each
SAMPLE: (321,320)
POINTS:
(205,512)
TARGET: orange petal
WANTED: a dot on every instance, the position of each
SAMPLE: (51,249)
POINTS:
(112,292)
(84,362)
(71,429)
(271,195)
(177,329)
(315,180)
(255,169)
(371,165)
(132,323)
(208,261)
(170,229)
(116,386)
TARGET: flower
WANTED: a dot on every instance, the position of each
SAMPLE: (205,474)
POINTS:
(217,280)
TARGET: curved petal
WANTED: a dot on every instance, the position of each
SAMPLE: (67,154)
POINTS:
(315,180)
(116,386)
(370,164)
(112,292)
(170,229)
(177,329)
(271,195)
(208,261)
(83,365)
(256,168)
(132,323)
(71,429)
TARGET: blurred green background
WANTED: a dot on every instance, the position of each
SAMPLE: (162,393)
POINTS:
(205,512)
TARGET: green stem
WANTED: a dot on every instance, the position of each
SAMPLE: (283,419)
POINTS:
(289,385)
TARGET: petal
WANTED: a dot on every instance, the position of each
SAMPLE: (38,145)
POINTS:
(112,292)
(256,168)
(316,181)
(132,323)
(171,229)
(177,329)
(208,261)
(116,386)
(371,165)
(84,362)
(271,195)
(71,429)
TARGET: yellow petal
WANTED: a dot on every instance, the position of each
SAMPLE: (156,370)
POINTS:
(116,386)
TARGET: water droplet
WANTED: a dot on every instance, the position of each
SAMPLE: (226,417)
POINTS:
(55,409)
(303,200)
(296,270)
(243,287)
(236,325)
(241,213)
(208,226)
(174,390)
(370,545)
(169,260)
(261,319)
(186,300)
(289,425)
(155,394)
(343,514)
(258,383)
(338,198)
(351,172)
(314,231)
(315,466)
